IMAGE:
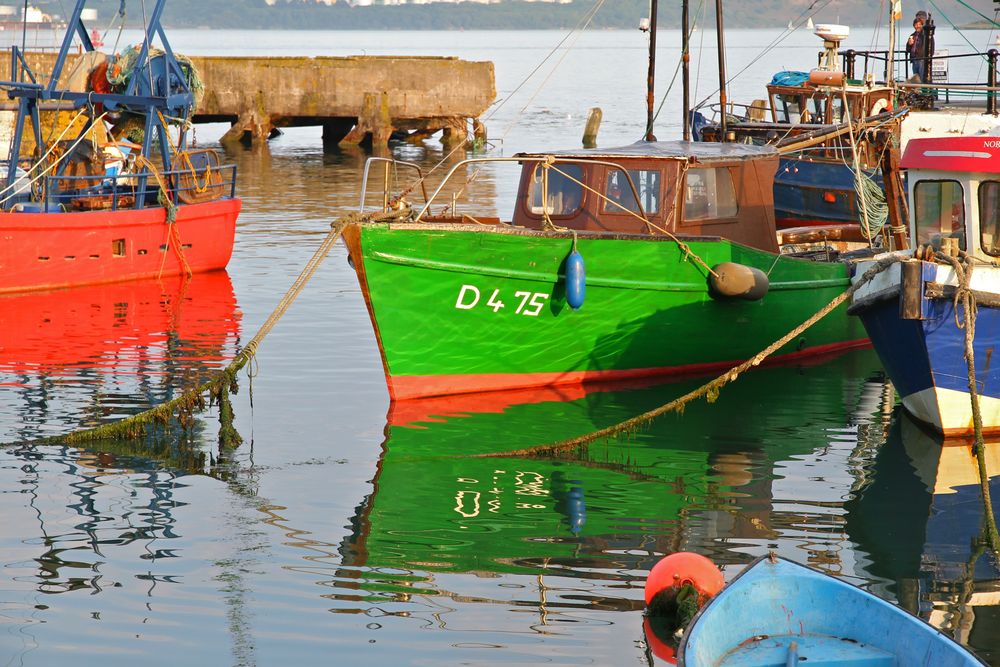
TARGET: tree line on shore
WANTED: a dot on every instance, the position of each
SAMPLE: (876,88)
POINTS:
(510,14)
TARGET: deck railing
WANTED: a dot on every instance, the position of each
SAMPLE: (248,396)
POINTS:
(119,191)
(875,64)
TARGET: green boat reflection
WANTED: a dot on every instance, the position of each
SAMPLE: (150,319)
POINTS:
(442,503)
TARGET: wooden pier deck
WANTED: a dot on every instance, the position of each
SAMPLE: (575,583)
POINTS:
(354,99)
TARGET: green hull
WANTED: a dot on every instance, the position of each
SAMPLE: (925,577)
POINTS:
(462,308)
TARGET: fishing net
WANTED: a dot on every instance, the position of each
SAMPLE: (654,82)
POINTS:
(122,70)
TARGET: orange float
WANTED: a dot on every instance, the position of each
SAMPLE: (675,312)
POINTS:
(683,568)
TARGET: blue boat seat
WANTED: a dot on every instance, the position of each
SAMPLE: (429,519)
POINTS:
(812,650)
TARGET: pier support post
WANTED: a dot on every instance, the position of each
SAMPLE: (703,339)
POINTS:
(454,133)
(374,120)
(253,127)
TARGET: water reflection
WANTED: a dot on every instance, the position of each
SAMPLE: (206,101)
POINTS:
(440,504)
(82,356)
(323,186)
(920,519)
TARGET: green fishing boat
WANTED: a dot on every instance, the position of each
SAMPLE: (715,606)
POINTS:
(684,272)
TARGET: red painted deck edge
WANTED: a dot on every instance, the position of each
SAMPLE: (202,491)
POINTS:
(405,387)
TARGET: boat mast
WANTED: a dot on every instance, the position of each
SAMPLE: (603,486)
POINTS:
(652,71)
(686,74)
(722,68)
(890,74)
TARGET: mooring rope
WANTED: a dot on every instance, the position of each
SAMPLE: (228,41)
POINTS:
(967,298)
(183,407)
(709,389)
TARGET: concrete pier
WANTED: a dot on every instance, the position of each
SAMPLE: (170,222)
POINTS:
(354,99)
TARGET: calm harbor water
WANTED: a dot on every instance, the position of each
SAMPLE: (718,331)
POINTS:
(347,529)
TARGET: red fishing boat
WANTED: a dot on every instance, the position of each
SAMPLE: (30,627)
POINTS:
(87,202)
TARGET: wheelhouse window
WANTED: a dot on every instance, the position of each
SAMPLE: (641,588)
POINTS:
(819,105)
(621,199)
(709,194)
(565,194)
(989,217)
(789,108)
(939,211)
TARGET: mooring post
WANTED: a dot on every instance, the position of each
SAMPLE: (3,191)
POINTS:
(479,137)
(593,125)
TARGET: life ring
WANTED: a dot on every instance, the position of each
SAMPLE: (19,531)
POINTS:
(878,107)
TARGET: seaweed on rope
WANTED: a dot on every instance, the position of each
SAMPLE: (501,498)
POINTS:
(183,409)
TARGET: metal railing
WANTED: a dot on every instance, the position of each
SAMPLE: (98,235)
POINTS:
(870,60)
(114,192)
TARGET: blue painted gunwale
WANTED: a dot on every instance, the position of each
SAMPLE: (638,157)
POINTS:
(777,602)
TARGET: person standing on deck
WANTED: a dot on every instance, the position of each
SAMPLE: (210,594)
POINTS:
(920,45)
(915,48)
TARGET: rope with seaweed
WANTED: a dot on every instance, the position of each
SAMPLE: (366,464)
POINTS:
(183,407)
(710,389)
(967,298)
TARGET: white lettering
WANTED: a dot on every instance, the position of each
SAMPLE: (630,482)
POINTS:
(460,303)
(462,506)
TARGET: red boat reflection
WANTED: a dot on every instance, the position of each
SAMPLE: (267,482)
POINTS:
(123,327)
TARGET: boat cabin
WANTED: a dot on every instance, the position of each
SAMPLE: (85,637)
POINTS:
(811,100)
(954,192)
(692,188)
(806,102)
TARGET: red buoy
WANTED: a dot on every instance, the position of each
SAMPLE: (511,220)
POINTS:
(682,568)
(662,648)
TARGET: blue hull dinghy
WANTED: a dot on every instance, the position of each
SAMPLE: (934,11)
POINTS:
(779,613)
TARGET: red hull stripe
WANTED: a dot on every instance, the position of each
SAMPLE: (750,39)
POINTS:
(422,386)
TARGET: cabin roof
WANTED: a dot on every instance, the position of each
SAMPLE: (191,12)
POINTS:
(699,151)
(972,154)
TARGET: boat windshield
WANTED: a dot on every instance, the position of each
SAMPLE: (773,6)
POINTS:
(989,217)
(621,199)
(939,211)
(709,194)
(565,194)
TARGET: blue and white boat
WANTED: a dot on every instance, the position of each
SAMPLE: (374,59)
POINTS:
(909,309)
(779,613)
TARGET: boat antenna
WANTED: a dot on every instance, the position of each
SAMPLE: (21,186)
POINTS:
(722,67)
(24,28)
(895,13)
(652,70)
(685,67)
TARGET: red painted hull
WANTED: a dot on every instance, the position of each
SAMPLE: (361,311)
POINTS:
(40,251)
(409,387)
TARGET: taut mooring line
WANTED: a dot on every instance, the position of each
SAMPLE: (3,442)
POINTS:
(709,389)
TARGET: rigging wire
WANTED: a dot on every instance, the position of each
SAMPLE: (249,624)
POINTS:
(677,69)
(956,28)
(576,32)
(992,21)
(797,23)
(701,49)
